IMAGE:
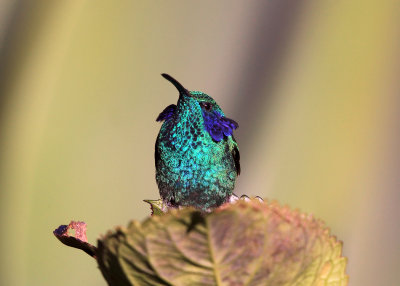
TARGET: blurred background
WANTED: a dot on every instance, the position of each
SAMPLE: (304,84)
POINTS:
(313,84)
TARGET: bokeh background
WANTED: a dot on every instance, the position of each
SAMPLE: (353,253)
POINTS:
(313,84)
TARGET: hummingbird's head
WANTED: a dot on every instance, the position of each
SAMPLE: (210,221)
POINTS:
(203,107)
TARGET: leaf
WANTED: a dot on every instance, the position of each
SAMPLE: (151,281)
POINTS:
(78,240)
(244,243)
(157,206)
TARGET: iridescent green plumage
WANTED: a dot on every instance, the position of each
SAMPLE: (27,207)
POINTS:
(197,158)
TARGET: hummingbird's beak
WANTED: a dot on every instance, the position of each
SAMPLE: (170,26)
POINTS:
(178,86)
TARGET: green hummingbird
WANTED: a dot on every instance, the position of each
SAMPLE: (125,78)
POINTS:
(196,156)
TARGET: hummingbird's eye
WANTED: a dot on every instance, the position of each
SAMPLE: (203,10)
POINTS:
(206,105)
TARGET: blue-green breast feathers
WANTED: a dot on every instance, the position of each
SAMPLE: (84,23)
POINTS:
(196,156)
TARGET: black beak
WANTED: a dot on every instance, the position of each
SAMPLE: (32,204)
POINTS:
(178,86)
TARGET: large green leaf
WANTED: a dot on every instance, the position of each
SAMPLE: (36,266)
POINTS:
(245,243)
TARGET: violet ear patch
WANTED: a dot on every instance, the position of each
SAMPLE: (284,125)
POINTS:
(218,126)
(167,113)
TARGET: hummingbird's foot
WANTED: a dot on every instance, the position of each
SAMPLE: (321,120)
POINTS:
(171,203)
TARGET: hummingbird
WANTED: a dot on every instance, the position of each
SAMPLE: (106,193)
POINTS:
(196,156)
